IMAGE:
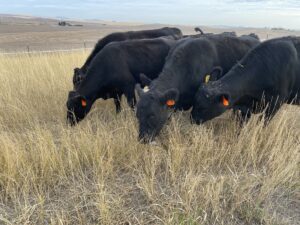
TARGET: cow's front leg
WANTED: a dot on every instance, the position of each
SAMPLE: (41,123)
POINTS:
(117,101)
(129,93)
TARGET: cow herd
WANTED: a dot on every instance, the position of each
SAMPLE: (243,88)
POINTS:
(209,73)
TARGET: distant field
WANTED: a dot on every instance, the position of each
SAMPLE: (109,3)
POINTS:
(97,172)
(19,33)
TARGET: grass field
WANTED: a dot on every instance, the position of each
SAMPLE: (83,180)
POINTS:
(97,172)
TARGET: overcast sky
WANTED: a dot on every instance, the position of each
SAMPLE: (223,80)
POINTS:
(254,13)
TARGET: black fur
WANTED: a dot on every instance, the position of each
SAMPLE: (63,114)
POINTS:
(79,73)
(115,70)
(262,81)
(185,69)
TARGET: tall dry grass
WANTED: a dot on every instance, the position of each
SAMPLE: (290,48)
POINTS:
(97,172)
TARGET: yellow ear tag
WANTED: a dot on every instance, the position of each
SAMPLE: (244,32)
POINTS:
(225,101)
(146,89)
(83,103)
(206,79)
(170,103)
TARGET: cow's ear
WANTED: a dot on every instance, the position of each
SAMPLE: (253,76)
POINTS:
(169,97)
(145,81)
(83,101)
(78,98)
(215,74)
(224,100)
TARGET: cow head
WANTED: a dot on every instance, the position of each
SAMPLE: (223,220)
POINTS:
(153,110)
(77,77)
(78,106)
(209,103)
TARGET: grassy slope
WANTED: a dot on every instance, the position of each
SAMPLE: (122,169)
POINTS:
(97,173)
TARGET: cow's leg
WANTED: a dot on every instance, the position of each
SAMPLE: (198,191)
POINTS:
(129,93)
(131,100)
(117,100)
(134,100)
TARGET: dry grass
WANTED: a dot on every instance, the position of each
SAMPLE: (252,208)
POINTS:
(97,173)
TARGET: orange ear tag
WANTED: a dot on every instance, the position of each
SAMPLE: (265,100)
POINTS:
(170,102)
(83,103)
(225,101)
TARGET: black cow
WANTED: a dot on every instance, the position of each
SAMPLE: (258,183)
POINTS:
(269,75)
(115,70)
(190,63)
(79,73)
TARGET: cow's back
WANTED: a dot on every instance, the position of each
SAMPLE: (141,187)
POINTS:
(155,33)
(146,55)
(130,35)
(230,49)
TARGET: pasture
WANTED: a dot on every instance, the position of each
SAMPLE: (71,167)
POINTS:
(98,173)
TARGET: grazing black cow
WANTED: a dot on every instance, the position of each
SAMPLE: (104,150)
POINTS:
(190,63)
(115,70)
(79,73)
(269,75)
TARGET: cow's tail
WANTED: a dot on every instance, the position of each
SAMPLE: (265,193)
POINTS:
(197,29)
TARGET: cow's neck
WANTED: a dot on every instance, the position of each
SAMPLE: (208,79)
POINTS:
(238,84)
(169,79)
(90,86)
